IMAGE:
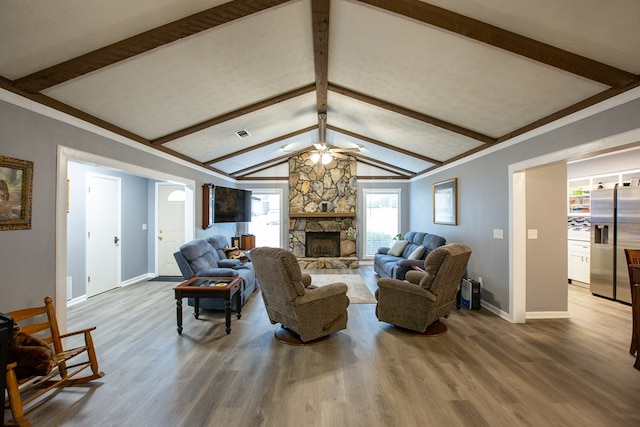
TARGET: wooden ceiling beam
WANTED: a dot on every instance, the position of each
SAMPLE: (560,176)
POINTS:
(384,166)
(142,42)
(507,40)
(385,145)
(413,114)
(233,114)
(262,144)
(320,25)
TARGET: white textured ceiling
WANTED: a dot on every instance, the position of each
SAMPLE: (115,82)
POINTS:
(412,95)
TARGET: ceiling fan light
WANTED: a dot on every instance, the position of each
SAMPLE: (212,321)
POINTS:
(326,158)
(315,157)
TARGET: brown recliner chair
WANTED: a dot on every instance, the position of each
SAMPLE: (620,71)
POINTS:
(417,303)
(305,312)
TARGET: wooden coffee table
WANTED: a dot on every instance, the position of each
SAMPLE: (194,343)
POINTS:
(209,287)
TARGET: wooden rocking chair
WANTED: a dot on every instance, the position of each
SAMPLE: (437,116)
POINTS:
(41,322)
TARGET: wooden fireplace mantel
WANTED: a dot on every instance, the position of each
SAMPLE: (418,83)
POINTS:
(322,215)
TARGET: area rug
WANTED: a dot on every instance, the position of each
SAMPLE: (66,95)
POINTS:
(358,291)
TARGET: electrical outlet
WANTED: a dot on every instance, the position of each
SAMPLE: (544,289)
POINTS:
(498,233)
(532,233)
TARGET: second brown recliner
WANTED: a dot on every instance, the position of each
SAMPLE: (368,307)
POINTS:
(417,303)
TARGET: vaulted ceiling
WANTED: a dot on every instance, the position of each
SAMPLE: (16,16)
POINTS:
(415,85)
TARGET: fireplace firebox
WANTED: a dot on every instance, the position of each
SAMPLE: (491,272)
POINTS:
(322,244)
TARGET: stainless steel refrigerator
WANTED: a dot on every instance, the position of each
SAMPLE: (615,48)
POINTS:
(615,225)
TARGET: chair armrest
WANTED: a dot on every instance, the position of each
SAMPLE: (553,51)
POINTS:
(323,292)
(306,279)
(403,286)
(383,249)
(217,272)
(228,263)
(414,276)
(81,331)
(411,263)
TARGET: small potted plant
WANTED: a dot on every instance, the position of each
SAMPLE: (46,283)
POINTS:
(398,236)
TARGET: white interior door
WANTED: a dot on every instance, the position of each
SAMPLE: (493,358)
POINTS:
(171,227)
(103,233)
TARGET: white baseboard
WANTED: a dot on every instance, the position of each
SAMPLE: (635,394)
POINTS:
(142,278)
(495,310)
(548,315)
(529,315)
(76,300)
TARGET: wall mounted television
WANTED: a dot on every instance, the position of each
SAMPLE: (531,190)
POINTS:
(222,204)
(231,205)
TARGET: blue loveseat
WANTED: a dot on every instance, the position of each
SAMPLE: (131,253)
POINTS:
(206,257)
(396,266)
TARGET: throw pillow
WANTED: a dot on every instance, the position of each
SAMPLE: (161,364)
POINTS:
(398,247)
(417,253)
(235,253)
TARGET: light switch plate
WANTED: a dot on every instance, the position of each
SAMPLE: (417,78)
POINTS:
(498,233)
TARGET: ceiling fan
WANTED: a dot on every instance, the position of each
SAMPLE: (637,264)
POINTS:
(324,151)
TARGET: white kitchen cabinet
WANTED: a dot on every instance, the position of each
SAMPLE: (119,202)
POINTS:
(578,268)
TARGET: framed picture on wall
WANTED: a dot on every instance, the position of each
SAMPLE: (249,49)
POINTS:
(445,202)
(16,184)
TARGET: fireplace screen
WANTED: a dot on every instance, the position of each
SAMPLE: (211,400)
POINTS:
(322,244)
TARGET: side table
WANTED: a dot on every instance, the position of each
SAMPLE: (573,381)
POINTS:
(209,287)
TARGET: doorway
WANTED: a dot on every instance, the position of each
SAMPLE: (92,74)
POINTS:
(518,215)
(67,156)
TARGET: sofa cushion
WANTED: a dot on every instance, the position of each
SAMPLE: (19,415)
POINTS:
(218,243)
(417,253)
(198,255)
(398,247)
(431,241)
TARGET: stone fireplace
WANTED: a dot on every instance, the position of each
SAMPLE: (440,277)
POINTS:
(322,212)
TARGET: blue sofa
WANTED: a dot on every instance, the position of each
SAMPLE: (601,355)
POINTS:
(206,257)
(396,267)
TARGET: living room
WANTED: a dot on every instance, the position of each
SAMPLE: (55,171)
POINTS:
(499,195)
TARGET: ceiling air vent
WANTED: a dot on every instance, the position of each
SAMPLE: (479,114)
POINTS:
(243,133)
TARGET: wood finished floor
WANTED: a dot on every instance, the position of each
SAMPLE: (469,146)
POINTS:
(483,372)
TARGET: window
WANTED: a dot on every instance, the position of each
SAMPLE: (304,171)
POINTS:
(381,218)
(266,217)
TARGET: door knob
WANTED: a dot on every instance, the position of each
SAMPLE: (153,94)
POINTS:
(116,240)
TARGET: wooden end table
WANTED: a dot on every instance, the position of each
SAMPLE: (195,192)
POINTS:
(209,287)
